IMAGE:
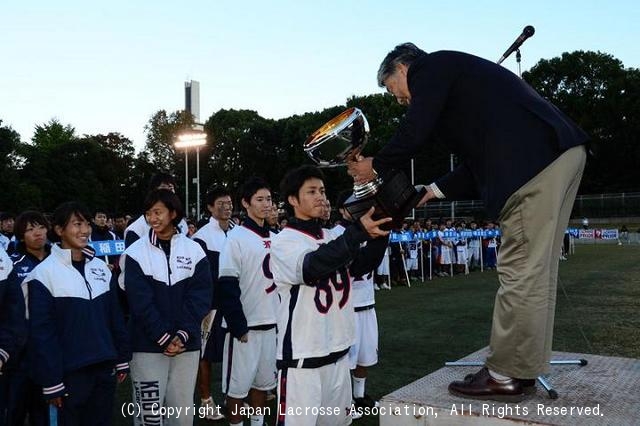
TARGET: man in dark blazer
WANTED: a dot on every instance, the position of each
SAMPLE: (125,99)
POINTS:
(524,158)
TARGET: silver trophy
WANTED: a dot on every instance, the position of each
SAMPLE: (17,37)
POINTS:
(343,138)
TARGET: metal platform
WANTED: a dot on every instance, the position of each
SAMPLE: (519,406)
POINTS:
(604,392)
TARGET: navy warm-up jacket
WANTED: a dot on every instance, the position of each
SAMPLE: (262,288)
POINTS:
(168,295)
(75,320)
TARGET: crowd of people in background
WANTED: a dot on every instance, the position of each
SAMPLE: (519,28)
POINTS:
(445,256)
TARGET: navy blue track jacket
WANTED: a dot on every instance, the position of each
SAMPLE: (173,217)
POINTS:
(168,295)
(7,332)
(75,319)
(14,330)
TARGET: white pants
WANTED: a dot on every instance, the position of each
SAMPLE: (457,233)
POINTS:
(445,255)
(474,252)
(315,396)
(461,258)
(383,268)
(159,382)
(249,365)
(364,351)
(411,264)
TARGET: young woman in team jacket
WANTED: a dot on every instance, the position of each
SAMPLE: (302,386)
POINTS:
(167,280)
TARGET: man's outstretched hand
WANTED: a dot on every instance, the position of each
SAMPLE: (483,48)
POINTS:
(361,169)
(428,196)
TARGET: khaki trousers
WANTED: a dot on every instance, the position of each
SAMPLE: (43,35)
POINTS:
(532,222)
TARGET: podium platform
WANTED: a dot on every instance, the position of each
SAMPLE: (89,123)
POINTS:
(604,392)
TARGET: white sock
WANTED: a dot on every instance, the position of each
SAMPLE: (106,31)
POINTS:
(358,386)
(498,376)
(257,420)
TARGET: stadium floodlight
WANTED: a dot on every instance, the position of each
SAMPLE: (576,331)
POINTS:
(185,141)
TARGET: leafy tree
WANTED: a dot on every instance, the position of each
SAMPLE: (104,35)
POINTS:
(119,145)
(243,144)
(136,185)
(59,167)
(162,130)
(113,170)
(9,144)
(602,96)
(42,163)
(51,134)
(65,171)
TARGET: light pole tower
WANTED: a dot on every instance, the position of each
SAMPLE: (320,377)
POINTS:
(196,138)
(188,140)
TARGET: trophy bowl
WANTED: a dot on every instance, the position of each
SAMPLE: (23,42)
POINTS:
(341,139)
(338,139)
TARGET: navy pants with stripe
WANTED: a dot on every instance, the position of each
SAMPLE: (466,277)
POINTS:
(90,397)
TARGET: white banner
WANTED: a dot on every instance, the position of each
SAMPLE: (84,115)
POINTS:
(598,234)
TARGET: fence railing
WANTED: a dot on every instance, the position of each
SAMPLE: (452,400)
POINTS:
(592,206)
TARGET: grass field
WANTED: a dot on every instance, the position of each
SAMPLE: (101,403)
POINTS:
(445,319)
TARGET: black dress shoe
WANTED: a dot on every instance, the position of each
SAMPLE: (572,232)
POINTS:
(528,385)
(482,386)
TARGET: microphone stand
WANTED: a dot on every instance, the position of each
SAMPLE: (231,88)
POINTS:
(518,60)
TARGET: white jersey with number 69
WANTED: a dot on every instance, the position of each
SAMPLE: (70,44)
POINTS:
(314,319)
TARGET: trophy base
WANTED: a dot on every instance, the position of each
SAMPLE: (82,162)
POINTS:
(395,198)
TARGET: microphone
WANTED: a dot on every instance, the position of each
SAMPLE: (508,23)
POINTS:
(526,33)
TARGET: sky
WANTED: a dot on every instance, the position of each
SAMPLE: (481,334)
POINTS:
(109,67)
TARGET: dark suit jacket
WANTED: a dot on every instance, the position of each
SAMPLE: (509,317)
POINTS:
(502,130)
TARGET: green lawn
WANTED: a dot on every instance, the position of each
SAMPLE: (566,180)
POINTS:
(445,319)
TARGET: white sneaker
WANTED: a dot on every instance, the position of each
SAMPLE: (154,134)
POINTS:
(212,412)
(376,287)
(386,287)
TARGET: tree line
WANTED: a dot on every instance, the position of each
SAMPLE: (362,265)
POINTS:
(104,171)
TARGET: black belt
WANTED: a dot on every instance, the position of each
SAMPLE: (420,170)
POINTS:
(253,328)
(364,308)
(262,327)
(311,362)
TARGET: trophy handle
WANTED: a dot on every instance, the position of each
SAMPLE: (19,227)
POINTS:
(361,190)
(395,197)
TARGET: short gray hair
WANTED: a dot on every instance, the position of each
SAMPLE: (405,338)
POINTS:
(404,53)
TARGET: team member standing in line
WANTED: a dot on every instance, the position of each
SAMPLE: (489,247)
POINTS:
(212,238)
(25,396)
(315,315)
(249,303)
(77,336)
(7,334)
(167,280)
